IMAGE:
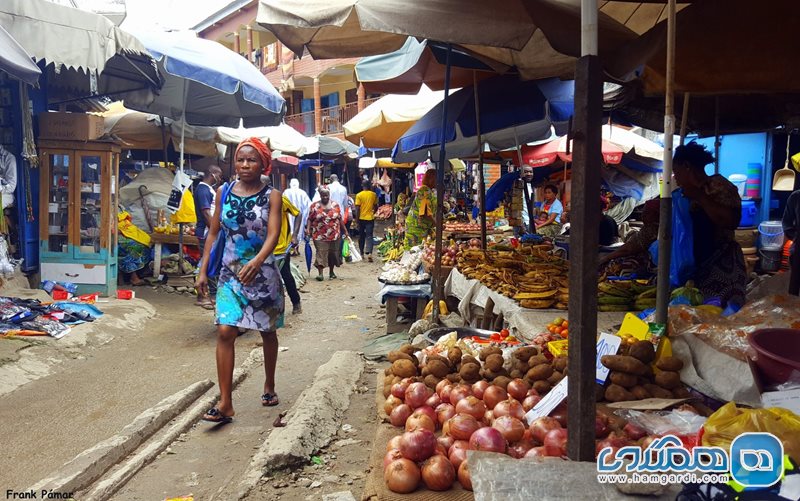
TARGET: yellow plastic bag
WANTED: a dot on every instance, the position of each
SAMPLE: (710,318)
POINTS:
(186,212)
(730,421)
(130,230)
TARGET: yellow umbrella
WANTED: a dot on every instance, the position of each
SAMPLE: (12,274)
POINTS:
(381,124)
(386,163)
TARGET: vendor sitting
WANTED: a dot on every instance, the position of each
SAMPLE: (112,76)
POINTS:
(638,243)
(608,229)
(551,206)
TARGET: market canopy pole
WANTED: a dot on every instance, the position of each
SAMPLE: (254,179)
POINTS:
(665,217)
(438,287)
(482,180)
(584,240)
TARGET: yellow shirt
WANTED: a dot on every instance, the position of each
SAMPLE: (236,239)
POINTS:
(285,238)
(366,201)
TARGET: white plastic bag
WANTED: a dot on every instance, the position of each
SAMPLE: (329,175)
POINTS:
(355,256)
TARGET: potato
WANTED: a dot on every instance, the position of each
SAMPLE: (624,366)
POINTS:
(470,372)
(454,356)
(388,371)
(494,362)
(555,378)
(681,392)
(525,353)
(643,351)
(673,364)
(484,354)
(648,372)
(657,391)
(542,387)
(598,392)
(453,377)
(668,379)
(469,359)
(431,381)
(407,349)
(387,390)
(425,371)
(616,393)
(623,379)
(516,374)
(440,358)
(394,356)
(437,368)
(501,381)
(396,379)
(560,363)
(537,360)
(624,363)
(540,372)
(404,368)
(640,392)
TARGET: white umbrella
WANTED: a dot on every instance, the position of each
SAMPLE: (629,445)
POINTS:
(280,137)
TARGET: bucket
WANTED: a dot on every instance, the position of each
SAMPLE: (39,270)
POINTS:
(740,181)
(771,235)
(749,212)
(770,260)
(777,353)
(753,187)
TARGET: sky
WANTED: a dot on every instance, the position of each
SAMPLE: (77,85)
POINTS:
(148,15)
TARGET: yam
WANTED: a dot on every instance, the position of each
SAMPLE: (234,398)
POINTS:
(540,372)
(525,353)
(560,363)
(431,381)
(542,387)
(404,368)
(394,356)
(437,368)
(555,378)
(489,350)
(407,349)
(643,351)
(501,381)
(657,391)
(681,392)
(537,360)
(470,372)
(640,392)
(668,379)
(623,379)
(624,363)
(673,364)
(494,362)
(616,393)
(454,356)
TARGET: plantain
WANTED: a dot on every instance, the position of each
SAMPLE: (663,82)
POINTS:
(613,307)
(618,300)
(648,294)
(613,290)
(561,306)
(536,295)
(536,303)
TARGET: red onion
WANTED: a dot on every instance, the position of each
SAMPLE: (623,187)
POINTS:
(462,426)
(440,449)
(555,442)
(530,402)
(601,428)
(488,439)
(394,443)
(458,392)
(560,415)
(541,426)
(464,477)
(391,456)
(390,404)
(494,395)
(533,393)
(445,441)
(402,476)
(416,395)
(428,411)
(488,418)
(444,412)
(438,473)
(634,432)
(535,452)
(511,428)
(458,452)
(433,401)
(518,389)
(400,414)
(441,384)
(518,450)
(417,445)
(399,389)
(420,421)
(444,394)
(479,388)
(472,406)
(509,407)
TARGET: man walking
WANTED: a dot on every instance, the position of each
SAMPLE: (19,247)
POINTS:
(290,218)
(791,225)
(365,205)
(204,195)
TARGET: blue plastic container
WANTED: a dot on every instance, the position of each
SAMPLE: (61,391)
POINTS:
(749,213)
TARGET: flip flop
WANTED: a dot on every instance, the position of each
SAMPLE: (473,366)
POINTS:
(269,399)
(320,278)
(213,415)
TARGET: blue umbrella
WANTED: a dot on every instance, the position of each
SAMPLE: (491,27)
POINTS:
(308,255)
(512,112)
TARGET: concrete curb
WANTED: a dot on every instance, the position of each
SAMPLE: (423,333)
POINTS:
(89,465)
(121,475)
(312,421)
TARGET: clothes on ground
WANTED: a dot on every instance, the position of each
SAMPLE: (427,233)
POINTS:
(258,305)
(365,235)
(608,230)
(8,176)
(366,201)
(420,219)
(204,198)
(325,221)
(329,253)
(299,199)
(131,255)
(288,213)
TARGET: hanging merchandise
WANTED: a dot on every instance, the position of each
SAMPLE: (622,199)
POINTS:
(186,213)
(179,184)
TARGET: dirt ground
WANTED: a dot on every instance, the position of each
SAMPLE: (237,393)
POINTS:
(88,399)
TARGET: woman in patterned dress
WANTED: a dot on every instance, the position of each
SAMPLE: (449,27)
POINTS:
(420,219)
(249,292)
(326,227)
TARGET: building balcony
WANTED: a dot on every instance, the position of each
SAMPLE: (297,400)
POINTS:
(333,119)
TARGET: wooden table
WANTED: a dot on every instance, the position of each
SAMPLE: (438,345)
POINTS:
(163,238)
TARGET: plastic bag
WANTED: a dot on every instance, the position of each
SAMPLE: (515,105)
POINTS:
(180,183)
(678,422)
(355,256)
(730,421)
(186,212)
(682,263)
(346,248)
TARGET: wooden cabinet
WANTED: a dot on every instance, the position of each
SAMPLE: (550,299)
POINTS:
(78,214)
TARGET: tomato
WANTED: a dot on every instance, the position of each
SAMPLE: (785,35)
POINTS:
(557,330)
(565,324)
(496,337)
(565,333)
(505,333)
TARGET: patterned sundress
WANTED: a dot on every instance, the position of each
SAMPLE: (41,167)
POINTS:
(259,305)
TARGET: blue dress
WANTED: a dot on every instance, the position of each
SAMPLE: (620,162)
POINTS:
(259,305)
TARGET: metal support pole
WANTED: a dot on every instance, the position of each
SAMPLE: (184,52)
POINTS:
(684,117)
(482,180)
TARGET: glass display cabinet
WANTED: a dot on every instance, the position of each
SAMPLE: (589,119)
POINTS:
(78,214)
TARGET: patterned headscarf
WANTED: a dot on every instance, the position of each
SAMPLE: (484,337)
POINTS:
(263,152)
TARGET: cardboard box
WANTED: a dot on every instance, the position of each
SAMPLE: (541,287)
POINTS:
(70,126)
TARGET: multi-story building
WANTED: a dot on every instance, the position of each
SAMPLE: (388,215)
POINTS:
(321,95)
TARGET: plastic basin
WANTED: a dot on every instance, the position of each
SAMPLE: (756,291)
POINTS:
(777,353)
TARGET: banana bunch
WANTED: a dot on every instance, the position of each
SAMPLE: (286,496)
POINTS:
(393,254)
(646,299)
(616,296)
(689,292)
(429,309)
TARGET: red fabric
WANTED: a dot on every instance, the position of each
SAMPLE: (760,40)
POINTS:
(262,150)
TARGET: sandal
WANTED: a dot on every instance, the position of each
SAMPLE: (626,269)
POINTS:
(215,416)
(269,399)
(332,276)
(320,278)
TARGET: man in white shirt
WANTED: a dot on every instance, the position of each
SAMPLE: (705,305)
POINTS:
(8,177)
(528,198)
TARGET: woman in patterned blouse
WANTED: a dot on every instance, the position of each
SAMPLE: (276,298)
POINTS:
(326,228)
